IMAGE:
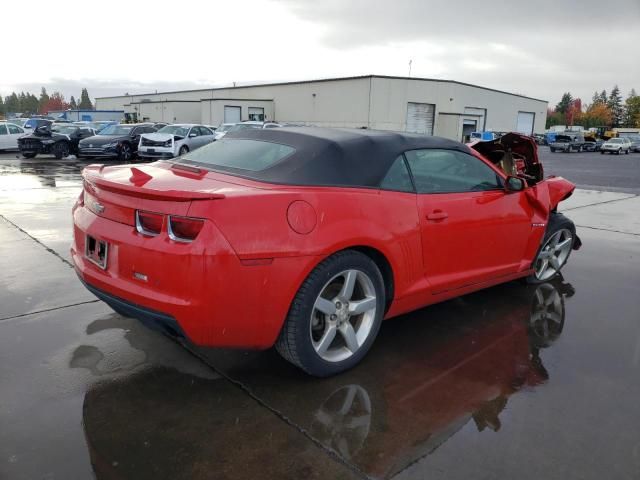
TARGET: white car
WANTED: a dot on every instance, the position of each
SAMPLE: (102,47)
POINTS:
(9,135)
(616,145)
(174,140)
(222,130)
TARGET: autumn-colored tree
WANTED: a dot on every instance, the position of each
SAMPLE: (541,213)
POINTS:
(597,115)
(56,102)
(574,111)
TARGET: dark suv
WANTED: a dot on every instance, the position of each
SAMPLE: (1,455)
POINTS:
(58,139)
(115,141)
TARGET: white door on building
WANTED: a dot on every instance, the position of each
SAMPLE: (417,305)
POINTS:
(420,118)
(231,114)
(524,124)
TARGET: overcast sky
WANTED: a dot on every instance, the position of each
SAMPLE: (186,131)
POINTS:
(538,48)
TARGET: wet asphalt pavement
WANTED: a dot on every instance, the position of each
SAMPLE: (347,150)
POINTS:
(512,382)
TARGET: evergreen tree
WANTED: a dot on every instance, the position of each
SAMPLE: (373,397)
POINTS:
(565,103)
(44,100)
(72,103)
(12,103)
(615,104)
(632,110)
(85,101)
(603,96)
(596,98)
(22,102)
(31,104)
(2,112)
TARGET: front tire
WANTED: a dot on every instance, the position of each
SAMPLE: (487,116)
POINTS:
(61,150)
(183,150)
(555,250)
(335,316)
(125,153)
(553,150)
(29,154)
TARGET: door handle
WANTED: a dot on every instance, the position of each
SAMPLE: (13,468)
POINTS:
(437,215)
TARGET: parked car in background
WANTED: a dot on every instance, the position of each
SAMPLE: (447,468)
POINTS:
(159,125)
(98,126)
(57,139)
(242,244)
(34,123)
(222,130)
(18,121)
(115,141)
(616,145)
(9,135)
(540,138)
(482,136)
(635,142)
(174,140)
(567,142)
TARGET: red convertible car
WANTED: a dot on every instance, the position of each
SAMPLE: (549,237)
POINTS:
(307,238)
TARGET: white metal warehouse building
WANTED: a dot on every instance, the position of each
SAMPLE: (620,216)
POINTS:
(434,107)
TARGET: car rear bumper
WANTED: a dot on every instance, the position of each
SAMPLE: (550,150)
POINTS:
(150,318)
(200,290)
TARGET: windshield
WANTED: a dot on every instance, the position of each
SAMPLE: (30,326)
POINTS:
(116,130)
(616,140)
(64,129)
(225,127)
(176,130)
(238,155)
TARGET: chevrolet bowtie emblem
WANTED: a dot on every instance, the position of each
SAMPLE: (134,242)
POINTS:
(96,207)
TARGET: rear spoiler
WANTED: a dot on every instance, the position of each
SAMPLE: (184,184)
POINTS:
(92,178)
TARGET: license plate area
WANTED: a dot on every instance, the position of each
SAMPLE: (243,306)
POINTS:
(96,251)
(151,150)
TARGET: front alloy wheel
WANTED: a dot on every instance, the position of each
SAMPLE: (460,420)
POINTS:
(125,152)
(553,255)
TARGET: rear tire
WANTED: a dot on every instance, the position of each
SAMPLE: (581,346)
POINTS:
(335,316)
(554,252)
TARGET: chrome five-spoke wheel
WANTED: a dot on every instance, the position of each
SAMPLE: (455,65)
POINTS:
(343,315)
(553,254)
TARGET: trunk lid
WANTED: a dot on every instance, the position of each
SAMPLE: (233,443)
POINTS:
(117,192)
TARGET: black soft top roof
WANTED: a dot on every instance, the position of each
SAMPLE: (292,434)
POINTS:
(337,156)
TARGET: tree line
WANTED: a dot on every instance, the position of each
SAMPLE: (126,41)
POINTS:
(603,111)
(29,104)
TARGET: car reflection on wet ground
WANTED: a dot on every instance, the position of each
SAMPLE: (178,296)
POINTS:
(515,381)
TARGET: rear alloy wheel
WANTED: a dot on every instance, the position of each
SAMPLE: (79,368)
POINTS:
(61,150)
(555,251)
(124,153)
(335,315)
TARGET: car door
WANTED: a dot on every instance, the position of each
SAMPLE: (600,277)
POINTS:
(15,133)
(207,135)
(472,229)
(4,136)
(194,138)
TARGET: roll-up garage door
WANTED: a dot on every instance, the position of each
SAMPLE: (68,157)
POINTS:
(231,114)
(524,124)
(420,118)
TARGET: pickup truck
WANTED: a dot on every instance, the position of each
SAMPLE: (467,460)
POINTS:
(567,143)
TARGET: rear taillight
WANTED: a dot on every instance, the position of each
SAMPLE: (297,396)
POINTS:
(184,229)
(149,223)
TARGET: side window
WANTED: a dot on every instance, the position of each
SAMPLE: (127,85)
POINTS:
(195,130)
(13,129)
(397,178)
(449,171)
(206,131)
(3,129)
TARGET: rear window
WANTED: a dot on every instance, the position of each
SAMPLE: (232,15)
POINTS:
(236,154)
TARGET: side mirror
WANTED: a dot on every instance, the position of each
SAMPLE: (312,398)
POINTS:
(514,184)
